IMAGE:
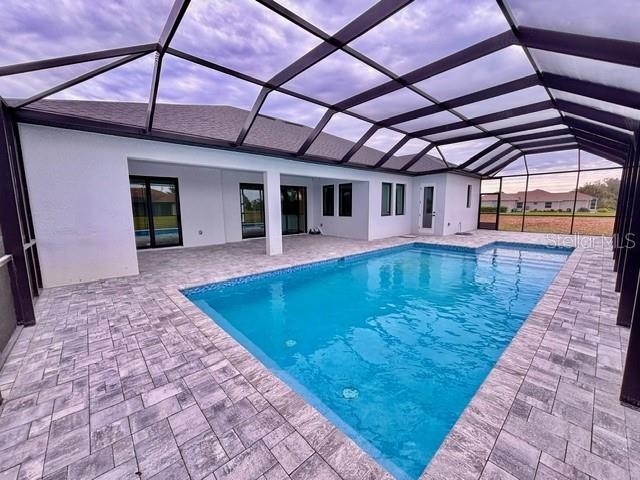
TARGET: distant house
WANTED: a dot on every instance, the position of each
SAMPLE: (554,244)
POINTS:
(542,201)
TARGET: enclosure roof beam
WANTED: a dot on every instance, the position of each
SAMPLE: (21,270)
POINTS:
(622,52)
(392,151)
(546,143)
(500,166)
(537,135)
(456,59)
(74,59)
(478,96)
(597,91)
(78,79)
(490,117)
(601,116)
(596,129)
(316,131)
(502,131)
(481,154)
(418,156)
(367,20)
(494,159)
(356,146)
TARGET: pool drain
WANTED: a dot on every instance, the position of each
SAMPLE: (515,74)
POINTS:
(290,343)
(350,393)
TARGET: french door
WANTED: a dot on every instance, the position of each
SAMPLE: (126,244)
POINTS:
(426,217)
(156,211)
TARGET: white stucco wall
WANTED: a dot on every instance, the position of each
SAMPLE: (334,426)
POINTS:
(457,217)
(387,226)
(450,200)
(79,187)
(357,225)
(81,207)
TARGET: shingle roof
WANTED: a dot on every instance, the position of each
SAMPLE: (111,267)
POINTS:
(224,123)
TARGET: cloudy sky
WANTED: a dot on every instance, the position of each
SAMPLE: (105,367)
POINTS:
(245,36)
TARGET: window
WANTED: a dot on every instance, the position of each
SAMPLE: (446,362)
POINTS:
(593,203)
(344,199)
(399,199)
(469,190)
(547,204)
(519,205)
(386,199)
(327,200)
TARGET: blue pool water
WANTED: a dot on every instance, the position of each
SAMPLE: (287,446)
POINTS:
(391,346)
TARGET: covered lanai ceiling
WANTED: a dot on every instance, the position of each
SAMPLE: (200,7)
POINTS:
(395,85)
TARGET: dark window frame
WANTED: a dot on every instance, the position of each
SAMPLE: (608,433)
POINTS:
(328,212)
(400,205)
(385,209)
(548,204)
(149,204)
(343,211)
(469,194)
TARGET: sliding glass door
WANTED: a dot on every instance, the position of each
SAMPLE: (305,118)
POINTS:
(293,203)
(156,211)
(294,209)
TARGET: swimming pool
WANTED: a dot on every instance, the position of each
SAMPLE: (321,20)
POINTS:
(389,345)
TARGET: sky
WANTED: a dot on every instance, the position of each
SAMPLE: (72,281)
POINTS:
(248,37)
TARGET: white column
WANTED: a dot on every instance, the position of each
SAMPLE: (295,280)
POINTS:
(273,212)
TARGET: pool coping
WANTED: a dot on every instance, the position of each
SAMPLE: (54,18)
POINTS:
(466,448)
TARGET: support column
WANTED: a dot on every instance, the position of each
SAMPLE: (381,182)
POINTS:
(12,223)
(273,212)
(629,308)
(630,390)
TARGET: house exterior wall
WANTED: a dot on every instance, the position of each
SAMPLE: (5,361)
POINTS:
(457,217)
(82,211)
(381,226)
(81,206)
(450,203)
(355,226)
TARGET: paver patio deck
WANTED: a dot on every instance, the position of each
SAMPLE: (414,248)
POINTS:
(125,378)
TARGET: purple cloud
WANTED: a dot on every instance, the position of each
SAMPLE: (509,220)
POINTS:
(315,11)
(427,30)
(346,126)
(185,83)
(291,109)
(384,139)
(243,35)
(128,83)
(504,102)
(502,66)
(391,104)
(39,30)
(335,78)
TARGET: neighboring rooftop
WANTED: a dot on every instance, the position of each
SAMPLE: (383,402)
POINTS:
(539,195)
